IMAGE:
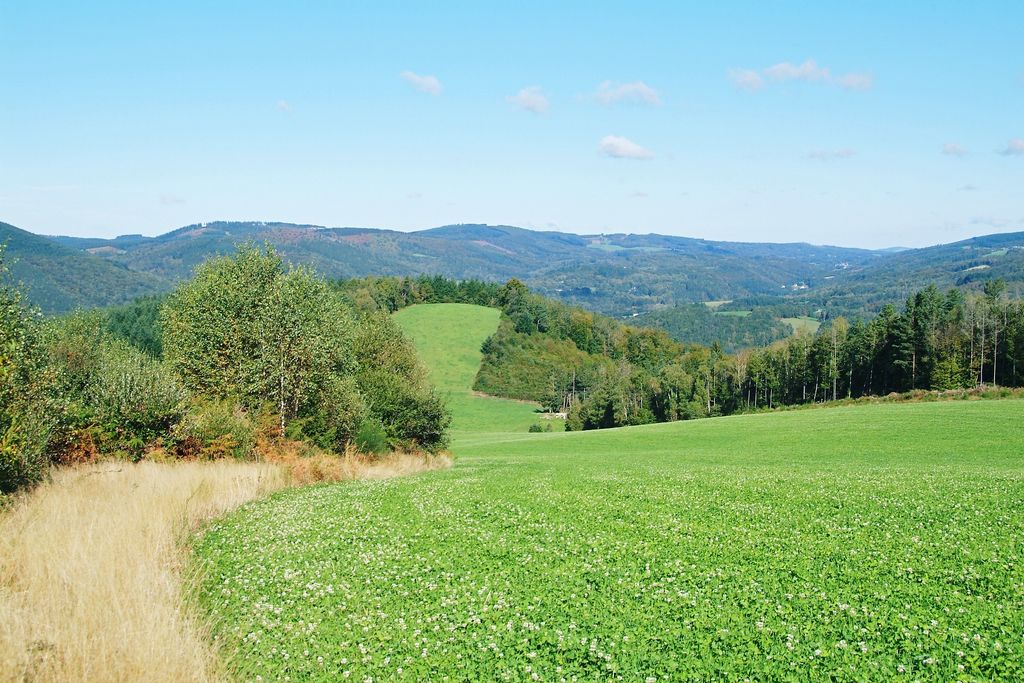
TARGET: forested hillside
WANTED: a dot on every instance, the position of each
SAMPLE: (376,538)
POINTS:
(616,274)
(60,279)
(604,373)
(707,325)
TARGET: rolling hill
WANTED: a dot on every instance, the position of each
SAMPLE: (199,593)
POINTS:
(615,274)
(60,278)
(448,338)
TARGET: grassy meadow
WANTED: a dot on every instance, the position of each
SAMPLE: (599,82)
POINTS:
(448,338)
(803,324)
(876,542)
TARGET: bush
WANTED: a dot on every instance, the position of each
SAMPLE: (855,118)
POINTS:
(216,429)
(371,437)
(25,415)
(23,451)
(412,416)
(333,418)
(135,399)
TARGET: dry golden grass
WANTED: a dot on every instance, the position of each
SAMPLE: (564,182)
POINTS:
(308,468)
(90,587)
(90,563)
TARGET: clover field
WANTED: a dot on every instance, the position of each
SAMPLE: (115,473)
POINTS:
(876,542)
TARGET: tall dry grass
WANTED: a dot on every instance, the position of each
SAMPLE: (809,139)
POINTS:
(90,581)
(90,563)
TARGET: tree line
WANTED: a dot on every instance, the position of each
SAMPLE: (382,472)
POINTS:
(604,373)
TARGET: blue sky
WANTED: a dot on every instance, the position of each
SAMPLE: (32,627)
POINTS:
(861,124)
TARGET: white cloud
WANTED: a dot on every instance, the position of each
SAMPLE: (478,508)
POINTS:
(530,99)
(748,79)
(831,154)
(807,72)
(855,81)
(170,200)
(427,84)
(1014,147)
(954,150)
(283,105)
(623,148)
(639,92)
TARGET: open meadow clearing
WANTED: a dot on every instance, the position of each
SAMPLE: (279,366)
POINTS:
(860,543)
(448,339)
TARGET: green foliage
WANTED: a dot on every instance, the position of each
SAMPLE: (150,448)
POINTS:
(371,437)
(23,448)
(412,417)
(25,421)
(135,398)
(246,327)
(138,323)
(535,367)
(215,429)
(246,340)
(390,294)
(803,545)
(334,419)
(698,324)
(395,384)
(122,397)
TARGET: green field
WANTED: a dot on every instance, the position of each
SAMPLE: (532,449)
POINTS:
(877,542)
(803,323)
(448,338)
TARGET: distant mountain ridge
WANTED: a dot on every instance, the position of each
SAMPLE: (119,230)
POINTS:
(61,278)
(618,274)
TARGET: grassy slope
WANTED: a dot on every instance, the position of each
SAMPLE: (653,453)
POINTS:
(872,542)
(805,323)
(448,339)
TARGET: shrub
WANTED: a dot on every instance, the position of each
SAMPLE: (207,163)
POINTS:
(136,400)
(371,437)
(394,384)
(216,429)
(412,416)
(23,451)
(25,416)
(332,419)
